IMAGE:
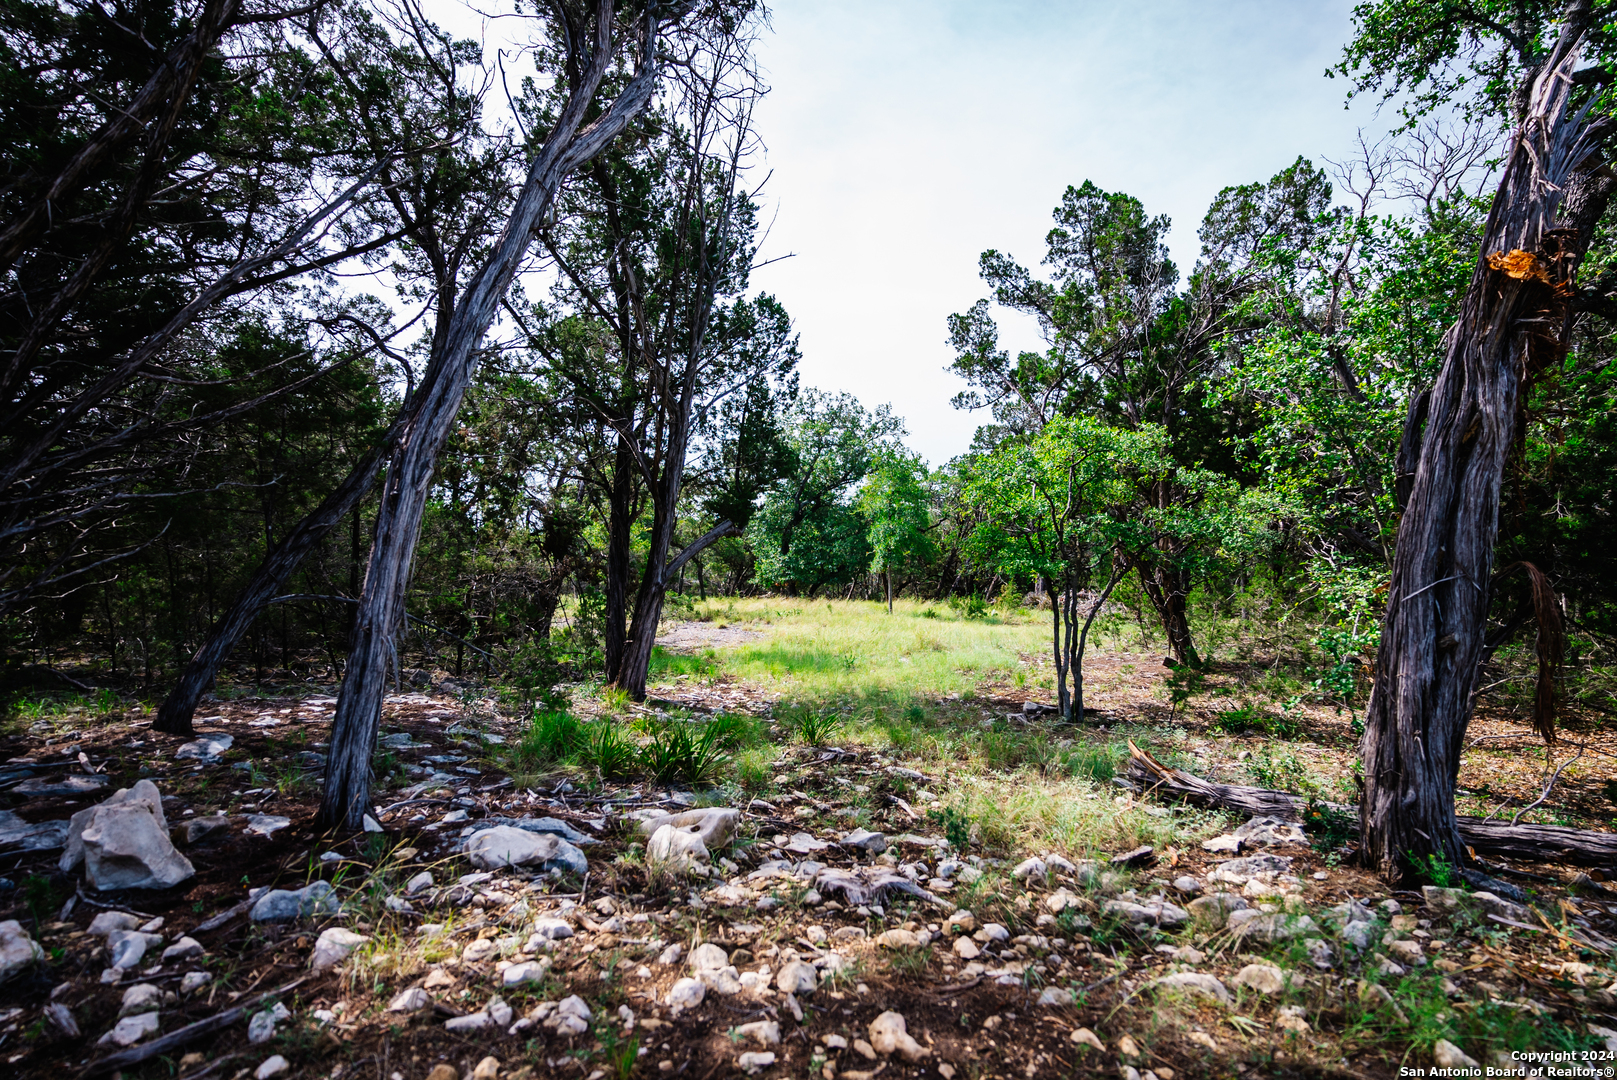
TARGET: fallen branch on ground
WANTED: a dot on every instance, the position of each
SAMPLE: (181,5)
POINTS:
(1536,843)
(174,1040)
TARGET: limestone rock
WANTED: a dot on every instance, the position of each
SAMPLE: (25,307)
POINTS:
(412,1000)
(898,939)
(123,842)
(187,948)
(871,843)
(333,947)
(1448,1056)
(1264,978)
(1253,925)
(753,1062)
(1084,1037)
(1029,869)
(128,947)
(529,971)
(18,951)
(716,825)
(206,749)
(685,994)
(283,905)
(203,829)
(1195,982)
(143,997)
(888,1036)
(274,1065)
(797,977)
(1157,913)
(108,921)
(131,1029)
(502,846)
(766,1032)
(678,847)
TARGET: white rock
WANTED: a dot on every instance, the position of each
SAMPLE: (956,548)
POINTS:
(503,845)
(1084,1037)
(797,977)
(716,825)
(108,921)
(476,1021)
(192,981)
(419,883)
(333,947)
(670,956)
(128,947)
(898,938)
(131,1029)
(888,1036)
(261,1028)
(62,1018)
(755,1061)
(966,949)
(123,842)
(766,1032)
(992,932)
(408,1001)
(143,997)
(708,957)
(529,971)
(186,948)
(274,1065)
(370,824)
(1030,868)
(1055,995)
(553,929)
(1194,982)
(18,951)
(1448,1056)
(1264,978)
(678,848)
(686,993)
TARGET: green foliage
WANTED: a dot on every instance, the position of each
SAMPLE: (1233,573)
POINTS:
(896,503)
(680,750)
(813,726)
(1283,771)
(607,750)
(1327,827)
(1093,761)
(552,737)
(955,823)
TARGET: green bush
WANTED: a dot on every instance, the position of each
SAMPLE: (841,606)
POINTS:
(607,751)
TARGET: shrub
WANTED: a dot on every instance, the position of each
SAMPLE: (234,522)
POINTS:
(813,727)
(553,736)
(608,751)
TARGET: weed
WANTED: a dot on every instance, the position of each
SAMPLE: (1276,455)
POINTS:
(607,750)
(1328,828)
(911,963)
(956,825)
(673,752)
(1439,871)
(1284,771)
(813,727)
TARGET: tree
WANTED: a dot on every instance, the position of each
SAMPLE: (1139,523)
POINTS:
(1460,435)
(590,52)
(896,503)
(1124,343)
(661,264)
(1060,506)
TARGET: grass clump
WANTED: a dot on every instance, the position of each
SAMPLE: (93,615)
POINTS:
(607,751)
(812,726)
(676,751)
(553,737)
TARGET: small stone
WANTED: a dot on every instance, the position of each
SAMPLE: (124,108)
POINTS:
(1084,1037)
(1203,1040)
(1128,1047)
(261,1028)
(1291,1018)
(992,932)
(755,1061)
(410,1001)
(670,956)
(333,947)
(61,1017)
(274,1065)
(1448,1056)
(1195,982)
(962,922)
(107,921)
(476,1021)
(686,993)
(1264,978)
(487,1069)
(678,848)
(1055,995)
(765,1032)
(1029,869)
(797,977)
(282,905)
(898,938)
(131,1029)
(553,929)
(419,883)
(443,1071)
(184,949)
(946,1070)
(1187,885)
(128,947)
(888,1036)
(18,951)
(864,1049)
(966,949)
(871,843)
(144,997)
(479,951)
(192,981)
(203,829)
(529,971)
(1408,952)
(1223,845)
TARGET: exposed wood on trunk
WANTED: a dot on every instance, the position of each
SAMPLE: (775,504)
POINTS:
(1511,325)
(569,146)
(1499,839)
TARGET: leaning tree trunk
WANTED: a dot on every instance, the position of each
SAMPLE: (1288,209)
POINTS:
(648,606)
(1510,325)
(174,716)
(398,524)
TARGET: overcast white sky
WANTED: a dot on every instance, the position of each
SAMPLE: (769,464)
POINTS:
(906,136)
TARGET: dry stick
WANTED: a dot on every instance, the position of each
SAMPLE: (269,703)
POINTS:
(206,1026)
(1549,786)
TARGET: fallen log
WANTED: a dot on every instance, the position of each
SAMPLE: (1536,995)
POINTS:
(1498,839)
(189,1033)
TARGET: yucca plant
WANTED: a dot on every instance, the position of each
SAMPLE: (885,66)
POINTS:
(674,752)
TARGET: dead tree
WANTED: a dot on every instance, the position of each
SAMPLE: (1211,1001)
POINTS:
(569,145)
(1512,323)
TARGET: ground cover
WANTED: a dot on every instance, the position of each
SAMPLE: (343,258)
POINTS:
(1009,911)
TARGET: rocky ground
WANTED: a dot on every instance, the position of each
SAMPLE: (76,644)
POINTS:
(485,930)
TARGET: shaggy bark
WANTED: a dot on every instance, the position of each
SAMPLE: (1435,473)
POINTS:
(569,146)
(1511,324)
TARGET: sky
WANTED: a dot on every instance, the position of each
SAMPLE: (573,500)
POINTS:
(904,137)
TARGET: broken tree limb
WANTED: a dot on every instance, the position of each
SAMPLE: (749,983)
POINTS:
(1499,839)
(189,1033)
